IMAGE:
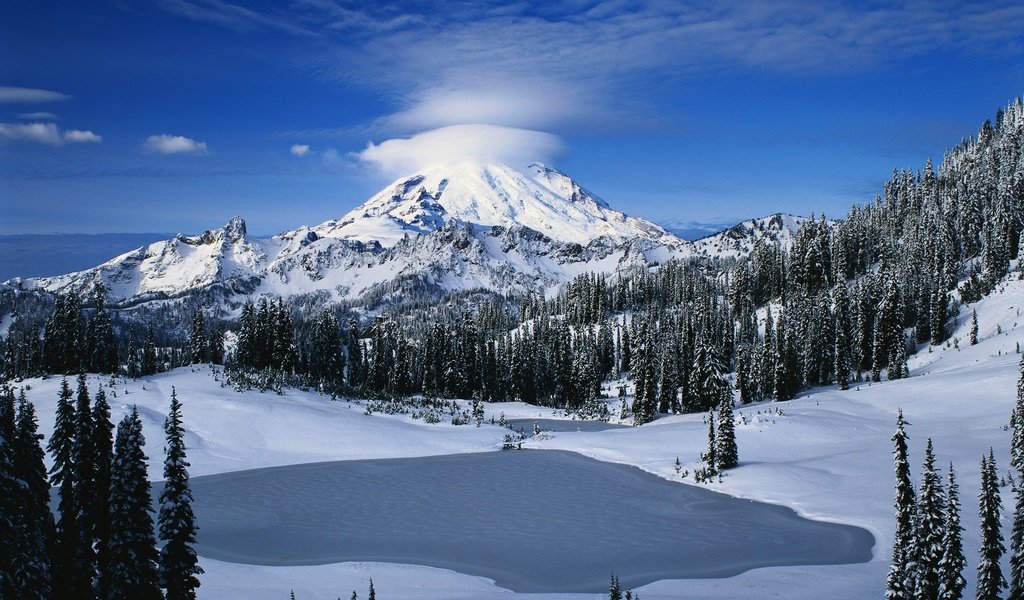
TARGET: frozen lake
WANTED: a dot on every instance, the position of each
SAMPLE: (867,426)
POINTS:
(533,521)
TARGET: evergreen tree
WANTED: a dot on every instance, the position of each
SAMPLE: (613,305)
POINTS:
(1017,439)
(103,453)
(951,567)
(898,583)
(990,574)
(179,565)
(726,454)
(614,591)
(83,462)
(197,345)
(132,559)
(33,579)
(62,472)
(841,345)
(149,364)
(372,594)
(1017,549)
(11,501)
(974,327)
(929,529)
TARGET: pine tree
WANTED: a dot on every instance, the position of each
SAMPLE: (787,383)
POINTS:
(710,458)
(179,566)
(1017,439)
(897,582)
(841,345)
(103,453)
(726,453)
(990,574)
(929,529)
(12,501)
(951,567)
(132,561)
(83,462)
(614,591)
(1017,549)
(149,361)
(34,578)
(62,472)
(372,594)
(197,346)
(974,327)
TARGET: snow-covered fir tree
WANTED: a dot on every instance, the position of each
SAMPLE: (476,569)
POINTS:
(898,583)
(132,559)
(951,567)
(179,565)
(990,573)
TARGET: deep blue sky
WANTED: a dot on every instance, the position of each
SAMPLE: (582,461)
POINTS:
(173,115)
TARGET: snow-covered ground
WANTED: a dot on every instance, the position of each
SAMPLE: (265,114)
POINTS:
(826,454)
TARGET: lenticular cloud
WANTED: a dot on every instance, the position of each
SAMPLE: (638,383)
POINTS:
(458,143)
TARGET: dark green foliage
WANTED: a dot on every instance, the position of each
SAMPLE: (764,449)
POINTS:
(132,559)
(614,591)
(179,566)
(951,567)
(726,453)
(990,574)
(974,327)
(103,453)
(34,518)
(898,583)
(83,459)
(62,474)
(929,529)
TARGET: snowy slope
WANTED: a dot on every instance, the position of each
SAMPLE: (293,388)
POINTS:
(827,454)
(739,240)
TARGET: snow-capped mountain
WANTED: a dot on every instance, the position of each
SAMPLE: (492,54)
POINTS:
(541,198)
(455,227)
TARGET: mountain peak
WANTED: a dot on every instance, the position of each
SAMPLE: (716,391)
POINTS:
(488,194)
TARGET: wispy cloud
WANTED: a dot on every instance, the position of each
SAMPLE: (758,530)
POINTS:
(38,116)
(458,143)
(300,149)
(45,133)
(173,144)
(21,95)
(586,66)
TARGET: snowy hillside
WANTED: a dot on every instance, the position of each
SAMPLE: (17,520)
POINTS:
(740,239)
(827,454)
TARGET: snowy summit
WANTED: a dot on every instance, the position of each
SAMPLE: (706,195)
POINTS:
(540,198)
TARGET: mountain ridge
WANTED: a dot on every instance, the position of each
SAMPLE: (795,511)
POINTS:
(446,228)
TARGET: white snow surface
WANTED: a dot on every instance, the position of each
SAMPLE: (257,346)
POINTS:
(826,454)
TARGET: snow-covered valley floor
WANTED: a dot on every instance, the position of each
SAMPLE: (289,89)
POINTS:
(826,454)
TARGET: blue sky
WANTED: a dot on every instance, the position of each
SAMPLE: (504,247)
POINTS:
(174,115)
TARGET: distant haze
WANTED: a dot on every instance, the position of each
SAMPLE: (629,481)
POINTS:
(44,255)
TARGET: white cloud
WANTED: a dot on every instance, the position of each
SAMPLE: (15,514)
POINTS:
(173,144)
(457,143)
(45,133)
(38,116)
(20,95)
(78,135)
(300,149)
